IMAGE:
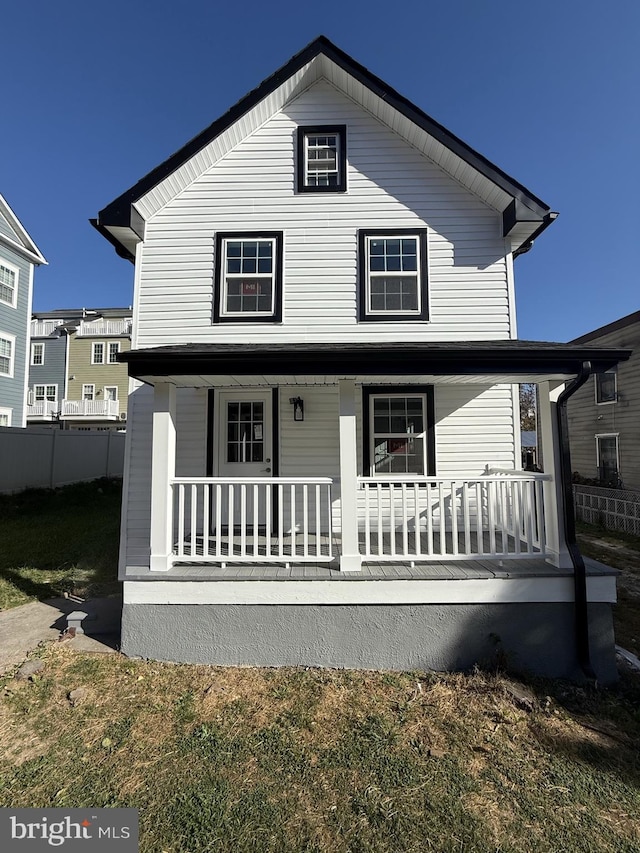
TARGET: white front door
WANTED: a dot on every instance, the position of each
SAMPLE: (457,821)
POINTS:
(245,449)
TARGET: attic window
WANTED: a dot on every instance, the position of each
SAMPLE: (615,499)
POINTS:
(322,159)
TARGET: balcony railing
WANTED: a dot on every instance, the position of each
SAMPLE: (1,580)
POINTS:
(44,328)
(45,409)
(426,518)
(268,520)
(90,409)
(106,328)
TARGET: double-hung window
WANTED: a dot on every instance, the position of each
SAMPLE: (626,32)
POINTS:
(607,386)
(37,354)
(48,393)
(8,284)
(392,268)
(89,392)
(398,431)
(114,349)
(322,159)
(7,353)
(97,352)
(248,277)
(5,417)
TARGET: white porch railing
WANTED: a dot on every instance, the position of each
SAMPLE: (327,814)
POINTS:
(104,327)
(241,520)
(43,409)
(423,518)
(90,408)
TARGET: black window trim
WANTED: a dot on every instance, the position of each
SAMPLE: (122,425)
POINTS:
(321,129)
(369,391)
(278,238)
(423,275)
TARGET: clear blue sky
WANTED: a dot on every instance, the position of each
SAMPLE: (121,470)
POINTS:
(94,95)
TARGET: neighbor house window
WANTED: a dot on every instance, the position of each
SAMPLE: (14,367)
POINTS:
(607,459)
(392,268)
(8,284)
(114,349)
(248,277)
(88,392)
(111,392)
(37,354)
(398,431)
(5,417)
(45,392)
(97,353)
(7,348)
(607,386)
(322,159)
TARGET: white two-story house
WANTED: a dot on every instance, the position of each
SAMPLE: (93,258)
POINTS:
(323,436)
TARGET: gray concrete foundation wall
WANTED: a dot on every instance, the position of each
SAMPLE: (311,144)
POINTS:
(534,638)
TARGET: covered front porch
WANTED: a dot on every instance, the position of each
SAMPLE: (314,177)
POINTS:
(302,471)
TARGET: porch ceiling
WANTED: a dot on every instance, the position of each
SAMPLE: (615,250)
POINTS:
(478,362)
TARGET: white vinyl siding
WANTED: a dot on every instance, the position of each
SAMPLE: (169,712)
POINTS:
(391,185)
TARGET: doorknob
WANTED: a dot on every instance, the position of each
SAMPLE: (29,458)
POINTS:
(267,470)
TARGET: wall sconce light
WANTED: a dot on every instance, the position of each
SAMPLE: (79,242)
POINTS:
(298,408)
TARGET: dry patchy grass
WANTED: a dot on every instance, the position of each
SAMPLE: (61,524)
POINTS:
(235,759)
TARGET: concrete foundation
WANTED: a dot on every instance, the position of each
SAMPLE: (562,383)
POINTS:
(533,638)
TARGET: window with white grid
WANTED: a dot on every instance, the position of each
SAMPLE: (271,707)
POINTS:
(5,417)
(8,284)
(37,354)
(248,277)
(114,349)
(393,275)
(97,352)
(7,346)
(321,156)
(45,392)
(88,392)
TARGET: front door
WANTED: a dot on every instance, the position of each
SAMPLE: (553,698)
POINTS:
(245,449)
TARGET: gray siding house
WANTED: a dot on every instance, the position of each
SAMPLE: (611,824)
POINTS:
(18,257)
(323,448)
(604,415)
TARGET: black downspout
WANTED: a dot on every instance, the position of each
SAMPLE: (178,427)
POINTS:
(568,515)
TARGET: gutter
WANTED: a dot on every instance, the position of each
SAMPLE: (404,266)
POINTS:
(579,569)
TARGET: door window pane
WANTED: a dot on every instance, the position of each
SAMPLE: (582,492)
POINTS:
(245,431)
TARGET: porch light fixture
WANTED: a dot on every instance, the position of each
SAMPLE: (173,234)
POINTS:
(298,408)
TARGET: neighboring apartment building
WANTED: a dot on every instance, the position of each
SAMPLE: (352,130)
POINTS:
(604,415)
(323,451)
(19,255)
(75,378)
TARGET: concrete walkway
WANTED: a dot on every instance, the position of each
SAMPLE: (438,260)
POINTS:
(23,628)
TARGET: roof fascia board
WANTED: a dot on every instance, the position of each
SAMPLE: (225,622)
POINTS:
(374,361)
(22,250)
(118,212)
(29,247)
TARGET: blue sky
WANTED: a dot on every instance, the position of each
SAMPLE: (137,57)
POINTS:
(100,93)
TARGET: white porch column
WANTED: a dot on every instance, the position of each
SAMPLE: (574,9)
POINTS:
(350,559)
(163,469)
(553,500)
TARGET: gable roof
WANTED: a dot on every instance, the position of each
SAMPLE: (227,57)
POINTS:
(23,245)
(524,214)
(615,326)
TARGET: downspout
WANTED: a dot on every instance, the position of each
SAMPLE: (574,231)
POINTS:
(569,520)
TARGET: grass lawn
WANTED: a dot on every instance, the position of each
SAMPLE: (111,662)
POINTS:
(61,540)
(325,761)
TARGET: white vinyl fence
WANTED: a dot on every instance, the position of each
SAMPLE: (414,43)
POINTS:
(614,509)
(44,458)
